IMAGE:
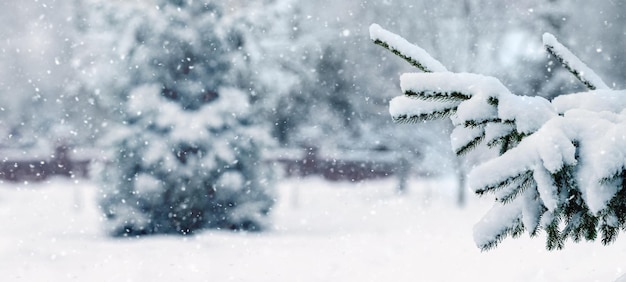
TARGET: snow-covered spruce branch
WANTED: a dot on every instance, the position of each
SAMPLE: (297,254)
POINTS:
(562,163)
(481,108)
(413,54)
(572,63)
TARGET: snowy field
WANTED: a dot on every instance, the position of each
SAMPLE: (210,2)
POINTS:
(323,232)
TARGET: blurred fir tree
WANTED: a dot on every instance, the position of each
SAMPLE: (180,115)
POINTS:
(186,151)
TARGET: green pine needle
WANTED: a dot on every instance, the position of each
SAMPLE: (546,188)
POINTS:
(517,187)
(511,181)
(410,119)
(438,96)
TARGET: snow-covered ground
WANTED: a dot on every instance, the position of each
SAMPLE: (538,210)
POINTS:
(323,232)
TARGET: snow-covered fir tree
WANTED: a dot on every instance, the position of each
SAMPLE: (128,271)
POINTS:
(186,151)
(562,162)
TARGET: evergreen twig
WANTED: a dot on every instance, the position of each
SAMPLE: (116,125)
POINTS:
(410,60)
(409,52)
(573,64)
(471,145)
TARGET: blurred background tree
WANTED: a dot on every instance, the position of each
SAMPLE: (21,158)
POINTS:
(185,146)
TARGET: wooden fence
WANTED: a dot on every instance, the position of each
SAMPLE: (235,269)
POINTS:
(334,166)
(351,165)
(36,168)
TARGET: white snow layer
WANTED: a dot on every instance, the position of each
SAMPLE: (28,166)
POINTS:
(597,101)
(363,231)
(602,156)
(572,61)
(546,187)
(462,136)
(531,210)
(495,131)
(401,45)
(498,219)
(529,113)
(468,84)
